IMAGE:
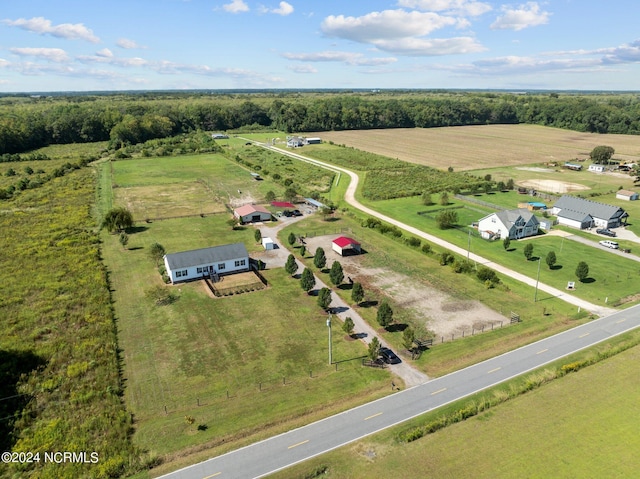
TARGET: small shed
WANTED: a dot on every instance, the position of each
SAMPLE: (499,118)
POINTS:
(314,203)
(626,195)
(596,168)
(314,141)
(267,243)
(346,246)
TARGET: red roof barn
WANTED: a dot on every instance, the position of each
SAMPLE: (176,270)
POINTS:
(283,204)
(345,245)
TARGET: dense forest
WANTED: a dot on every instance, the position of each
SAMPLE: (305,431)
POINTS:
(27,123)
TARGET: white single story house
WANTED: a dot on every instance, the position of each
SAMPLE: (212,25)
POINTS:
(345,245)
(596,168)
(512,224)
(199,263)
(581,213)
(627,195)
(219,136)
(295,141)
(252,213)
(267,243)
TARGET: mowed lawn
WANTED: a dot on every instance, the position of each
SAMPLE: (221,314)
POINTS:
(582,425)
(241,366)
(482,146)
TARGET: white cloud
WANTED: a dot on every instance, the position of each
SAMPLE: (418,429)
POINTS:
(283,9)
(300,69)
(343,57)
(456,7)
(627,53)
(524,16)
(41,25)
(56,55)
(128,44)
(236,6)
(385,25)
(105,52)
(431,47)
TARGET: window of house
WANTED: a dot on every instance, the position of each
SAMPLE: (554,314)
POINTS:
(220,266)
(241,262)
(199,270)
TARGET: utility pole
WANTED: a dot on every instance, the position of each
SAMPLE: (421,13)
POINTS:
(468,245)
(535,297)
(329,326)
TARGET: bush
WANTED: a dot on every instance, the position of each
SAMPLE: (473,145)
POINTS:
(462,266)
(446,258)
(426,248)
(413,241)
(485,274)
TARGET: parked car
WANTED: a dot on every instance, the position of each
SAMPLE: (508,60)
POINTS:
(609,244)
(606,232)
(287,213)
(296,213)
(389,356)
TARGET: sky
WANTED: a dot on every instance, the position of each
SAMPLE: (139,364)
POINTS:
(66,45)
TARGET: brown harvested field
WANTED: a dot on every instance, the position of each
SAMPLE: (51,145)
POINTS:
(483,146)
(167,200)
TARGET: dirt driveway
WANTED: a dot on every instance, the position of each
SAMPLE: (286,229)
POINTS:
(438,312)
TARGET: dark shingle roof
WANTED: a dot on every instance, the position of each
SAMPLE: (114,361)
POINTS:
(215,254)
(509,217)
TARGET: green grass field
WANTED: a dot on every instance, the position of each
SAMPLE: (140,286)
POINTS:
(576,426)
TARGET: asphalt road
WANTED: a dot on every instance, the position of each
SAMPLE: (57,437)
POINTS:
(279,452)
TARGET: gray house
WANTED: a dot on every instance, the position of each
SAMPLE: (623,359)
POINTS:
(512,224)
(581,213)
(198,263)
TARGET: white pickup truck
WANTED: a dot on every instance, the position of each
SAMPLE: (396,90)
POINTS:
(609,244)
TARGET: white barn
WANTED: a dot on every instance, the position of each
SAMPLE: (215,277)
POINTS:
(512,224)
(199,263)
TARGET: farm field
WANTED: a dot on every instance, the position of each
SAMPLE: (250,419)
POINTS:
(474,147)
(571,427)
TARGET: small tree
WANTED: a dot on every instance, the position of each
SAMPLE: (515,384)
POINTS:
(408,337)
(506,243)
(124,239)
(385,315)
(348,326)
(233,223)
(374,349)
(257,235)
(336,274)
(528,251)
(156,252)
(303,250)
(307,280)
(426,199)
(291,266)
(357,293)
(319,259)
(290,194)
(270,196)
(444,198)
(446,219)
(582,271)
(118,219)
(324,298)
(551,259)
(510,184)
(291,239)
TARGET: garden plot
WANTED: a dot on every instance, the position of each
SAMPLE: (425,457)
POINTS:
(441,313)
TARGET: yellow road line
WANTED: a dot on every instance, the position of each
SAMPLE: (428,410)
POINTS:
(212,475)
(375,415)
(438,391)
(494,370)
(299,444)
(583,335)
(621,321)
(543,351)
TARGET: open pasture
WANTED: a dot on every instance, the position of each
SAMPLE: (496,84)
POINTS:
(169,200)
(483,146)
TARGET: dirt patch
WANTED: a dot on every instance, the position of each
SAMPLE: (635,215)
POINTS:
(437,311)
(552,186)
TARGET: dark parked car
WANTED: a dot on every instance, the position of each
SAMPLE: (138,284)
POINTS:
(606,232)
(296,213)
(389,356)
(287,213)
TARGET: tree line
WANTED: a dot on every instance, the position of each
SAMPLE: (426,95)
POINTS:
(136,118)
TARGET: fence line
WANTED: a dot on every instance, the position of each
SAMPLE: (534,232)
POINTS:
(159,218)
